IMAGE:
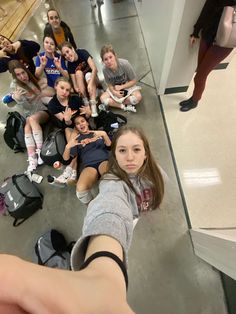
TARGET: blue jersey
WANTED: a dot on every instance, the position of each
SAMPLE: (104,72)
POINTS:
(92,153)
(52,73)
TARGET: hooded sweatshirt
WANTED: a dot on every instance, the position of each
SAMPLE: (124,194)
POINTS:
(112,213)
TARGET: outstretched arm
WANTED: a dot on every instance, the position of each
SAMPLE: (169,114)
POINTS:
(29,288)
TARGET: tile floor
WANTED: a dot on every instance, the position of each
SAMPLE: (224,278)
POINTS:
(165,275)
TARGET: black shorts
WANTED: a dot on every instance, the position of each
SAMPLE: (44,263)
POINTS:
(96,165)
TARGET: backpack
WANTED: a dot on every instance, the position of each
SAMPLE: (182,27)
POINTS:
(109,122)
(53,251)
(21,197)
(53,147)
(14,135)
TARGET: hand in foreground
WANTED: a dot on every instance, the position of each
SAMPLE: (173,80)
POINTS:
(32,289)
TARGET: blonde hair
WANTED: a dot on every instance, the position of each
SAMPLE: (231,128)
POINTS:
(105,49)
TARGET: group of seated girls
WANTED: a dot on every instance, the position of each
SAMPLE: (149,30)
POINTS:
(131,180)
(64,84)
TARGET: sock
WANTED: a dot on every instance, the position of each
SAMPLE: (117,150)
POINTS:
(38,137)
(92,102)
(30,144)
(84,196)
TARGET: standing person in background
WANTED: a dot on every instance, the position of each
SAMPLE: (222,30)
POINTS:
(51,63)
(83,73)
(28,94)
(22,50)
(58,29)
(94,3)
(122,91)
(209,55)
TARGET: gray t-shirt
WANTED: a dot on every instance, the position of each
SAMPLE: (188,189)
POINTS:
(123,74)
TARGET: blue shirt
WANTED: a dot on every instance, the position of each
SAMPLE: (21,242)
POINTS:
(52,73)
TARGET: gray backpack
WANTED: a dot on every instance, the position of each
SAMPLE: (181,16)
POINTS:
(53,251)
(22,197)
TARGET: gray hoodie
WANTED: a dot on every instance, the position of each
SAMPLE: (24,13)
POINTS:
(111,213)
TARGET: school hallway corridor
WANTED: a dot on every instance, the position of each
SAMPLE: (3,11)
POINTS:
(165,276)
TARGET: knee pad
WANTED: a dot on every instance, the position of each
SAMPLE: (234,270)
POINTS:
(84,196)
(133,100)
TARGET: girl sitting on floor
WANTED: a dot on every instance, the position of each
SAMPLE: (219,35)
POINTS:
(64,106)
(91,149)
(83,72)
(122,91)
(28,93)
(51,63)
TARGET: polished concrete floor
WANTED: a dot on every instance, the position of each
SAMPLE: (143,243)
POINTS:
(165,275)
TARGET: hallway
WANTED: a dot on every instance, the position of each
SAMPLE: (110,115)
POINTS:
(164,274)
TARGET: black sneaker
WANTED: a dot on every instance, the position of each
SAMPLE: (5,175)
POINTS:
(185,102)
(191,104)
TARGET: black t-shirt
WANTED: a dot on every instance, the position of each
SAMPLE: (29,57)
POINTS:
(26,53)
(75,102)
(81,63)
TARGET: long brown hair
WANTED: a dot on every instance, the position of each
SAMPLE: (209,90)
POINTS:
(149,170)
(15,64)
(20,52)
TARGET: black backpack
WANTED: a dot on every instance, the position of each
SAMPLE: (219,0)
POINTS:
(109,122)
(53,147)
(14,132)
(21,197)
(53,251)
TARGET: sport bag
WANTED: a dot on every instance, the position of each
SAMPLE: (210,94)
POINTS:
(226,32)
(22,198)
(109,122)
(14,131)
(53,251)
(53,147)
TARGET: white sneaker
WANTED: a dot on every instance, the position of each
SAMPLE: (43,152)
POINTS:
(73,177)
(93,3)
(130,108)
(65,175)
(40,160)
(33,163)
(94,110)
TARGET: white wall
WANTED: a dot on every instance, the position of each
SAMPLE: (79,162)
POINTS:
(217,247)
(166,26)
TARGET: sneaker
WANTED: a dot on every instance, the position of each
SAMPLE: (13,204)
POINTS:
(73,178)
(40,160)
(103,107)
(52,181)
(33,163)
(93,3)
(94,110)
(65,175)
(130,108)
(7,99)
